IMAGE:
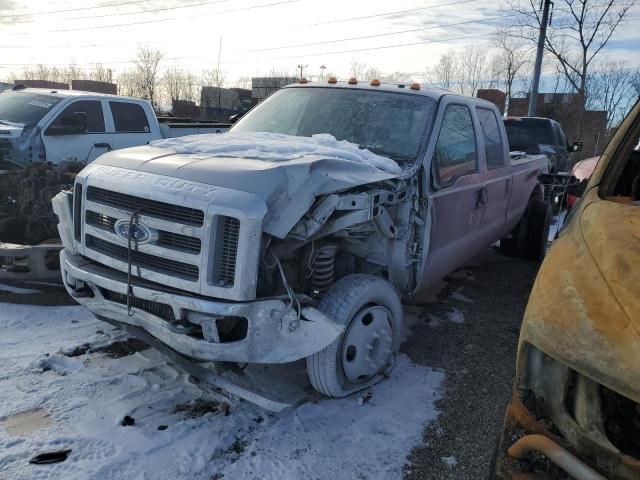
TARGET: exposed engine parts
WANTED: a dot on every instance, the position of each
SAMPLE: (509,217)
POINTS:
(26,215)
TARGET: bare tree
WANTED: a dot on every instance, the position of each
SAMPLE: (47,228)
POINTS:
(574,42)
(356,68)
(472,68)
(216,77)
(511,59)
(372,73)
(396,77)
(611,88)
(446,72)
(100,73)
(146,72)
(72,72)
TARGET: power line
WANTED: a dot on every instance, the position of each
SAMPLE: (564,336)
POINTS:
(106,5)
(159,20)
(154,10)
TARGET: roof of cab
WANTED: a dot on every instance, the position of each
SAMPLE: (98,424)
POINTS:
(431,92)
(68,93)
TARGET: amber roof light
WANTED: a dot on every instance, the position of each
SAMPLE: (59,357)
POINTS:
(332,80)
(415,86)
(353,81)
(303,80)
(375,82)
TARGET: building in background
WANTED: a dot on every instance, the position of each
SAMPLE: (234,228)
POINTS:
(48,84)
(94,86)
(185,109)
(221,103)
(262,87)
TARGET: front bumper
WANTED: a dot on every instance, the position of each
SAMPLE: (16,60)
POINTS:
(273,334)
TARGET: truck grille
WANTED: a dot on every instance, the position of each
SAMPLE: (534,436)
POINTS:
(174,241)
(227,252)
(151,208)
(158,309)
(162,265)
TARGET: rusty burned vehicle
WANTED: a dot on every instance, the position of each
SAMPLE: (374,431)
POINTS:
(294,235)
(576,398)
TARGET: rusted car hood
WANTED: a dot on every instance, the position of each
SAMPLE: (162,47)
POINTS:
(583,310)
(614,245)
(289,188)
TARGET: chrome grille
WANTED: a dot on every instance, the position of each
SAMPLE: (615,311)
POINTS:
(151,208)
(162,265)
(226,251)
(174,241)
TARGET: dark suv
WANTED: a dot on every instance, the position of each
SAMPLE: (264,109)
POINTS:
(535,135)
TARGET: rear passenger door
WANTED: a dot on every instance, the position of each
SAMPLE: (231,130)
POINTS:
(498,175)
(458,190)
(130,124)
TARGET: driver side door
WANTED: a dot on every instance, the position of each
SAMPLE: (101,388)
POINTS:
(84,147)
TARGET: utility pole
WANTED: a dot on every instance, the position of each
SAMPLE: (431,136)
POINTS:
(302,67)
(533,95)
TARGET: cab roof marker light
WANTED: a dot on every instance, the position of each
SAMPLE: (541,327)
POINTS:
(353,81)
(415,86)
(303,80)
(375,82)
(332,80)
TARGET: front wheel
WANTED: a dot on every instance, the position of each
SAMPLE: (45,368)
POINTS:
(371,311)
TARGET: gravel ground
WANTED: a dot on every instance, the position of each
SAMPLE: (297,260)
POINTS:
(478,357)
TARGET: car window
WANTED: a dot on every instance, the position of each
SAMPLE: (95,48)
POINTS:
(493,147)
(563,140)
(93,110)
(129,117)
(455,152)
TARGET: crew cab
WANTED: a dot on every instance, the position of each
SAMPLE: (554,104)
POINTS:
(295,234)
(55,125)
(535,135)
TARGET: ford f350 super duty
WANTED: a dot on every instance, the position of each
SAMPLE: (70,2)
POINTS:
(295,234)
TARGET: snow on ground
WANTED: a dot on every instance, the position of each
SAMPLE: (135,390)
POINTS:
(58,391)
(12,289)
(275,147)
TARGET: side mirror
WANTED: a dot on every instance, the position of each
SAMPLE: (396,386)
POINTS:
(577,189)
(74,124)
(576,147)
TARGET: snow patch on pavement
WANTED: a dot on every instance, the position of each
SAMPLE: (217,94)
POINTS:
(275,147)
(456,316)
(22,291)
(86,397)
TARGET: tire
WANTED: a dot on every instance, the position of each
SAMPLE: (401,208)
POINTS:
(368,345)
(538,223)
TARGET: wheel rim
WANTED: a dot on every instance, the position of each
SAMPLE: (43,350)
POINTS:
(366,347)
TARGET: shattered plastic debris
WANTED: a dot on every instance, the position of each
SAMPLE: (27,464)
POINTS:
(275,147)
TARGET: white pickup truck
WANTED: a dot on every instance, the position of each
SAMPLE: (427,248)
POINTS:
(54,125)
(46,136)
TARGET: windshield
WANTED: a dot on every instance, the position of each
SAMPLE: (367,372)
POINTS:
(24,107)
(390,124)
(528,131)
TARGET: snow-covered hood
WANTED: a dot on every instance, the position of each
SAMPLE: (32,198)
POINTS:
(288,179)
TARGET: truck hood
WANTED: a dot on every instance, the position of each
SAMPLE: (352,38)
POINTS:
(288,187)
(10,130)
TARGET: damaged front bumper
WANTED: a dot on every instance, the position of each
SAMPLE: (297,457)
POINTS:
(261,331)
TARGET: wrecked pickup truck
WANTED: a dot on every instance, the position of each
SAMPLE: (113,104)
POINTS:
(295,234)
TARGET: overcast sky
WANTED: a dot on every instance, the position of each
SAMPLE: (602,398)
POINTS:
(258,35)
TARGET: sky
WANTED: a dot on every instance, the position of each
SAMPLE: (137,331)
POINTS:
(258,36)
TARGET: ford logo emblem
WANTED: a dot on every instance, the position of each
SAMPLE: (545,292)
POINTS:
(139,232)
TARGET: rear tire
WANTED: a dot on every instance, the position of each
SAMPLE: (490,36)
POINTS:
(538,223)
(371,311)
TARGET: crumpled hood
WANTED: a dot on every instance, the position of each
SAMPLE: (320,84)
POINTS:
(615,248)
(289,188)
(12,130)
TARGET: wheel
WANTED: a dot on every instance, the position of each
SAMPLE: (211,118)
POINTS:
(538,223)
(371,311)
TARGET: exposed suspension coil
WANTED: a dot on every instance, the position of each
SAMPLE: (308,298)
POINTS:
(323,268)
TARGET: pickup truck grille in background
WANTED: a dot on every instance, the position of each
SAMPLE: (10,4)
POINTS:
(227,251)
(162,265)
(151,208)
(174,241)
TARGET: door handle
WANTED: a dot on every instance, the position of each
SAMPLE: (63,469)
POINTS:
(481,197)
(103,145)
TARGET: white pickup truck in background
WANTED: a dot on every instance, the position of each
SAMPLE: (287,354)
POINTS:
(55,125)
(46,137)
